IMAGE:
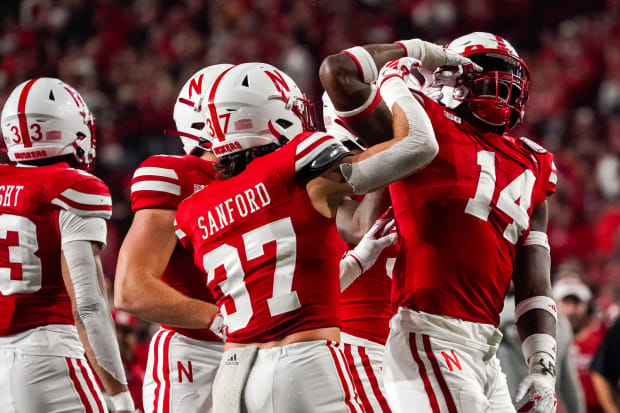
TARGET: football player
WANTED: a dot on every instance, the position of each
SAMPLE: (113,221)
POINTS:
(264,234)
(365,306)
(185,353)
(472,220)
(52,230)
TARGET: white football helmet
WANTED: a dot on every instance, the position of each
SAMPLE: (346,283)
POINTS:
(255,104)
(43,118)
(191,107)
(498,94)
(336,127)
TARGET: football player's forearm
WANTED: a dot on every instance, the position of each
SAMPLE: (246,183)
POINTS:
(532,280)
(355,218)
(343,81)
(151,299)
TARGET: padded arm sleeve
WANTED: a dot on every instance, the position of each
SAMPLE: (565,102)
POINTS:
(78,228)
(92,308)
(406,156)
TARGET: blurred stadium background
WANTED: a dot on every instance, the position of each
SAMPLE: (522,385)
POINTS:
(129,59)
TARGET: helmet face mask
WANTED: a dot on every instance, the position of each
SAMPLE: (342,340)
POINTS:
(46,118)
(495,96)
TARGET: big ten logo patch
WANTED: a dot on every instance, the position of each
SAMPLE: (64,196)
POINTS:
(451,360)
(185,370)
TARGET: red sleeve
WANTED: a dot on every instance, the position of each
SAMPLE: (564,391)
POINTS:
(156,184)
(81,193)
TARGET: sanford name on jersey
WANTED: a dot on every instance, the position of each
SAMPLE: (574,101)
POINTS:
(463,217)
(222,215)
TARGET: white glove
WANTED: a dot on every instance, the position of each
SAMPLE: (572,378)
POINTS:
(536,392)
(218,327)
(380,236)
(391,81)
(396,68)
(432,56)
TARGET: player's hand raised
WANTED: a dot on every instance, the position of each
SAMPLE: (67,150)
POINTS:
(398,68)
(380,236)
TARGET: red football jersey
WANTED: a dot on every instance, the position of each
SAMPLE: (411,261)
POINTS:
(32,291)
(462,218)
(366,304)
(162,182)
(269,256)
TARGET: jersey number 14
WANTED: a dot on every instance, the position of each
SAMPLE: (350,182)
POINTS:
(520,189)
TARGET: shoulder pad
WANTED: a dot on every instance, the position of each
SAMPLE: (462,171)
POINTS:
(333,153)
(318,149)
(533,145)
(82,194)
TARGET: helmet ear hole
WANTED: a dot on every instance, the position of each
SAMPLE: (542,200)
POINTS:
(285,124)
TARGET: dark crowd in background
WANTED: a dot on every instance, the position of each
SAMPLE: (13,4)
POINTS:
(130,58)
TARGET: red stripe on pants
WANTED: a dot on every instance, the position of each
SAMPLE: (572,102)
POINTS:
(91,386)
(345,385)
(356,377)
(440,379)
(422,369)
(78,386)
(155,376)
(374,383)
(167,372)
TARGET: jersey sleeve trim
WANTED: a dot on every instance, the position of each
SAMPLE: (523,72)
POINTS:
(310,148)
(156,171)
(159,186)
(158,179)
(84,204)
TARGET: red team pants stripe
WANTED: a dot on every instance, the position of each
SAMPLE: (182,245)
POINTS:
(356,377)
(88,408)
(162,356)
(440,379)
(91,386)
(368,373)
(78,386)
(374,383)
(341,367)
(422,369)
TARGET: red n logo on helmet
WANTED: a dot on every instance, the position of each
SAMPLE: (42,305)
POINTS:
(278,81)
(195,85)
